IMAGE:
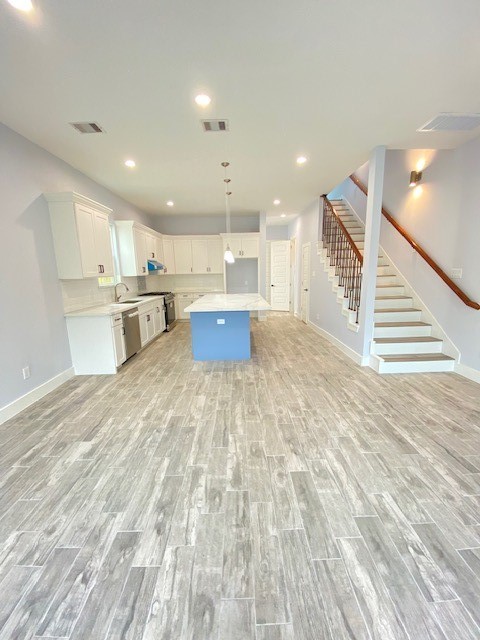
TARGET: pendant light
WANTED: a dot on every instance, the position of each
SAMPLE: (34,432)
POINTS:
(228,255)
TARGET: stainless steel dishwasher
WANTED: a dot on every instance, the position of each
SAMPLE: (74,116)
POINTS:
(131,327)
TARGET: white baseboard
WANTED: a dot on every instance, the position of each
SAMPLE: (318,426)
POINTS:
(353,355)
(12,409)
(467,372)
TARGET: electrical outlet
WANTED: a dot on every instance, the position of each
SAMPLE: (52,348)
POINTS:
(318,316)
(246,282)
(457,274)
(313,274)
(26,372)
(220,320)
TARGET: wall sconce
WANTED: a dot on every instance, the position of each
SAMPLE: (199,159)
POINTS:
(415,178)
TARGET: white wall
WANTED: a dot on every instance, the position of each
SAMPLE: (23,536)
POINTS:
(277,232)
(445,220)
(32,326)
(198,224)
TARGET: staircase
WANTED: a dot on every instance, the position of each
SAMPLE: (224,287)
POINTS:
(403,340)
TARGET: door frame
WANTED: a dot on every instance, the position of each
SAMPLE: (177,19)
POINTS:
(307,245)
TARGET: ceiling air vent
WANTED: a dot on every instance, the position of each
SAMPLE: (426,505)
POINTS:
(452,122)
(87,127)
(214,125)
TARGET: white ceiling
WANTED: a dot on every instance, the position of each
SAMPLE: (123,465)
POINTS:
(329,80)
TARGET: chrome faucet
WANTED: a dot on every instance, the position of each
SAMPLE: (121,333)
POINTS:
(117,297)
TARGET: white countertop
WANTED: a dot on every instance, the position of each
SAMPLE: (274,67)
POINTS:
(113,308)
(229,302)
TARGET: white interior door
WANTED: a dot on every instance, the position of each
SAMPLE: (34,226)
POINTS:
(305,292)
(280,275)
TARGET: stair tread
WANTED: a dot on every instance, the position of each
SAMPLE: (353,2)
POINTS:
(389,286)
(393,297)
(415,357)
(402,324)
(410,339)
(397,310)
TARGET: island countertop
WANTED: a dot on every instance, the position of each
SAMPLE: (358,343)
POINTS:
(229,302)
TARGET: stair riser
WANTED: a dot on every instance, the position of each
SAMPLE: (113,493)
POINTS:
(393,348)
(398,316)
(381,262)
(385,270)
(401,332)
(387,280)
(390,291)
(393,304)
(417,367)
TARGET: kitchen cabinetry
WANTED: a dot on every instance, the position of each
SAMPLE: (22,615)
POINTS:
(215,255)
(136,244)
(183,300)
(168,255)
(183,255)
(207,255)
(119,340)
(244,245)
(147,330)
(200,254)
(159,251)
(81,236)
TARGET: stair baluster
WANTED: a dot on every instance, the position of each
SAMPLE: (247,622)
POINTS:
(343,255)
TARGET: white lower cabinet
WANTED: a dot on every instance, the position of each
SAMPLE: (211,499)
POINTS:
(97,343)
(146,327)
(183,300)
(119,340)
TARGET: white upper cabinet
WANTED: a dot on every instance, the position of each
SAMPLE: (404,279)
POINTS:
(85,222)
(151,242)
(168,255)
(103,243)
(159,250)
(250,247)
(199,256)
(215,255)
(81,236)
(140,247)
(242,245)
(136,245)
(183,255)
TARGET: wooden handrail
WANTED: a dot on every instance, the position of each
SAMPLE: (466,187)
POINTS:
(354,247)
(438,270)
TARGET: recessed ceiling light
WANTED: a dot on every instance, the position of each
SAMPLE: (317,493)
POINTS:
(301,160)
(203,100)
(22,5)
(275,202)
(283,215)
(170,203)
(130,163)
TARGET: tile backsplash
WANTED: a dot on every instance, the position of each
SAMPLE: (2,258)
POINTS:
(79,294)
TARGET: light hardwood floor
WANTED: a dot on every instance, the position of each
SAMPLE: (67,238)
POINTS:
(293,496)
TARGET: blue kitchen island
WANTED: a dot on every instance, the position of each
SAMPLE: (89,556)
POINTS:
(220,324)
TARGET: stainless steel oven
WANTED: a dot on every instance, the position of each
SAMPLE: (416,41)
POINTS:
(170,316)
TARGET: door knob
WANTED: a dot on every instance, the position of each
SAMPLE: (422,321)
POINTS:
(272,285)
(305,289)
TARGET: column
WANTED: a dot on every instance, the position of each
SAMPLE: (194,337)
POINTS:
(373,220)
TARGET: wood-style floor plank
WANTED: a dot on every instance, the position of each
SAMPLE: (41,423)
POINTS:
(294,496)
